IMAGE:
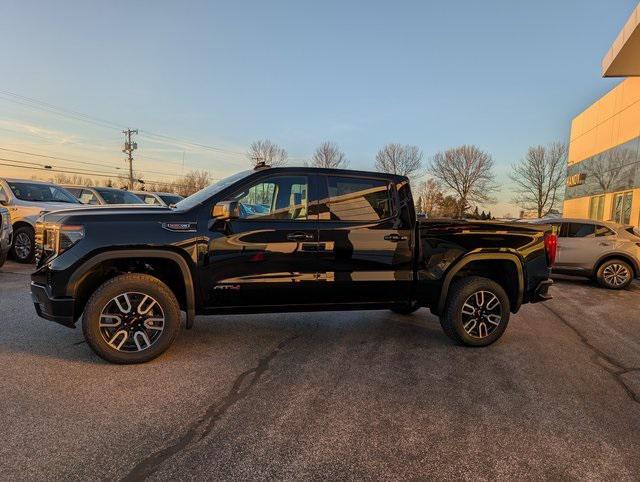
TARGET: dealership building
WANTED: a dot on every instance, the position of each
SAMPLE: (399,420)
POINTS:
(603,174)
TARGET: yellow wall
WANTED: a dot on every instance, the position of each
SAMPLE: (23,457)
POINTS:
(610,121)
(579,207)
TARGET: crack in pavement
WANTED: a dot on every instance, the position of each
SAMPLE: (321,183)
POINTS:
(610,366)
(205,424)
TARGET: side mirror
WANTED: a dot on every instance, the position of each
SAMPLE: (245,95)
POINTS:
(225,210)
(4,199)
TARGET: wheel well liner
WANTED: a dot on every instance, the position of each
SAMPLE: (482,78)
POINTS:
(84,271)
(475,264)
(22,224)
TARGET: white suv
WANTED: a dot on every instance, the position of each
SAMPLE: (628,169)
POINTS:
(26,200)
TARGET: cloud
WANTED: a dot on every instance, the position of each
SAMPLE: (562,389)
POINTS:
(58,137)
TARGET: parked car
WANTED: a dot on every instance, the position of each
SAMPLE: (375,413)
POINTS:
(6,234)
(26,200)
(102,195)
(158,198)
(605,251)
(282,239)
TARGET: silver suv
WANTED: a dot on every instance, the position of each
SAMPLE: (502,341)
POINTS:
(26,200)
(102,195)
(605,251)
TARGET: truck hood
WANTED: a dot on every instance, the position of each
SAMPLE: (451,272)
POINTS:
(103,213)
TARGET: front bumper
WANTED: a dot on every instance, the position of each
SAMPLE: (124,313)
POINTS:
(59,310)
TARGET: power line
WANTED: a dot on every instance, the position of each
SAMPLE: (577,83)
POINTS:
(33,166)
(51,108)
(78,161)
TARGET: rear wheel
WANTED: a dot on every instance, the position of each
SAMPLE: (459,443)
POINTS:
(614,274)
(131,318)
(23,248)
(477,312)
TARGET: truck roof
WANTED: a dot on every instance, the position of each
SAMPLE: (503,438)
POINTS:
(327,170)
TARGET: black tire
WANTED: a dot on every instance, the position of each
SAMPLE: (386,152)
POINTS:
(133,285)
(406,308)
(614,274)
(25,251)
(454,320)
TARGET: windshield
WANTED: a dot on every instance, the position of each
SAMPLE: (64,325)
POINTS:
(170,199)
(204,194)
(42,193)
(118,196)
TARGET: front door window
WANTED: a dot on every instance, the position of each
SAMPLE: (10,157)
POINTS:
(275,198)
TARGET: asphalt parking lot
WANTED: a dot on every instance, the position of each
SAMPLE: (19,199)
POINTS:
(329,395)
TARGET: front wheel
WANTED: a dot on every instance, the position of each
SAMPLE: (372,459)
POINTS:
(24,242)
(477,312)
(614,274)
(131,318)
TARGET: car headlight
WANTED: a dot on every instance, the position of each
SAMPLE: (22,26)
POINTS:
(59,238)
(6,220)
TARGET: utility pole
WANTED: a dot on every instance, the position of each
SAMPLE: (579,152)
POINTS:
(129,147)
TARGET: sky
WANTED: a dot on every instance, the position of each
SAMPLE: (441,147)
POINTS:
(503,75)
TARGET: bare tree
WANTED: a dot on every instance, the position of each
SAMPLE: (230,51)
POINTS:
(430,196)
(62,178)
(468,172)
(539,178)
(329,155)
(192,182)
(397,159)
(268,152)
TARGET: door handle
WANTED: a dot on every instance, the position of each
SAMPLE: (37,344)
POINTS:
(299,237)
(394,238)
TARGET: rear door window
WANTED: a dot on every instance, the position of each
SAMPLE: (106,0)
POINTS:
(357,199)
(603,231)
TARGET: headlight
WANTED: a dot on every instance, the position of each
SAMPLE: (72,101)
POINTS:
(6,220)
(58,239)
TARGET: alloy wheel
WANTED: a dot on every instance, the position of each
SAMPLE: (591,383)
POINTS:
(22,245)
(616,274)
(131,322)
(481,314)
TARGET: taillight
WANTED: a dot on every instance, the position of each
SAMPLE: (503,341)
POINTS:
(551,248)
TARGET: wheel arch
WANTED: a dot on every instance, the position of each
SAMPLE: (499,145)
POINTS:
(623,256)
(103,266)
(476,264)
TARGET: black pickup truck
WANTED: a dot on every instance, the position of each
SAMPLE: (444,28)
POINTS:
(276,240)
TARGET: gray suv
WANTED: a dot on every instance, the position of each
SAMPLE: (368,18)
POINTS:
(26,200)
(605,251)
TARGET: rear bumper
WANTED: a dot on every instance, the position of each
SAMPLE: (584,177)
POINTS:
(542,291)
(59,310)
